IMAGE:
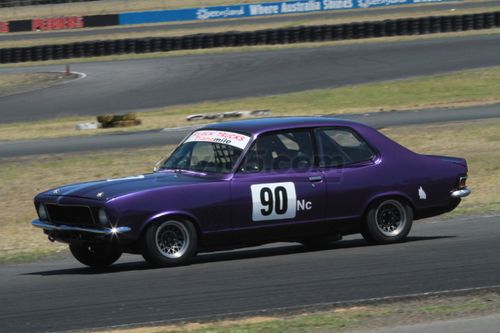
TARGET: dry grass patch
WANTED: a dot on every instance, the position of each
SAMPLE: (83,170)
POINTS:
(373,316)
(478,142)
(22,178)
(204,327)
(475,87)
(19,82)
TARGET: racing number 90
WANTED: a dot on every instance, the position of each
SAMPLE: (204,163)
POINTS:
(277,202)
(273,201)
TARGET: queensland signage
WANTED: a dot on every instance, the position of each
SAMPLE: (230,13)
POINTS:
(258,9)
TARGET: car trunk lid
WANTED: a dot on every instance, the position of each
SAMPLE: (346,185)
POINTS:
(455,160)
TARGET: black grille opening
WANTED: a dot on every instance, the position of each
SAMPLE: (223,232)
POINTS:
(71,215)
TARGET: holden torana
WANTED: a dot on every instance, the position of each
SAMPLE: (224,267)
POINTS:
(243,183)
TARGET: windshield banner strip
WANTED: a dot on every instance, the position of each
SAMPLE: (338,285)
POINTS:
(227,138)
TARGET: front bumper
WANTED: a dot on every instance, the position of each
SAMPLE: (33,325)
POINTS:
(462,193)
(103,231)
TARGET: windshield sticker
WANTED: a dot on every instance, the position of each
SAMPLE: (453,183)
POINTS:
(227,138)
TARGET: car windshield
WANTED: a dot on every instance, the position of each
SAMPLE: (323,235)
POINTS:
(208,152)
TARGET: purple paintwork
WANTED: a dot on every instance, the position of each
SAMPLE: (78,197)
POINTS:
(220,204)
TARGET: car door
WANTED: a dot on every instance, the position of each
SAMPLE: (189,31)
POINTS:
(278,183)
(350,171)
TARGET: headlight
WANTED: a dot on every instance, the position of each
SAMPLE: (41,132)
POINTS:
(103,217)
(42,212)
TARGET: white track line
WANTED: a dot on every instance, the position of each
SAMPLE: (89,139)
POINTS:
(211,318)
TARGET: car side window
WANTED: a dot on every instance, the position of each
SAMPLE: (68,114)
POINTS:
(342,146)
(280,151)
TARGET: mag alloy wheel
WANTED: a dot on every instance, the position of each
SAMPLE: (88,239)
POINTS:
(390,218)
(170,243)
(387,221)
(172,239)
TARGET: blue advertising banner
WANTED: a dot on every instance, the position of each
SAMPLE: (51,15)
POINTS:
(260,9)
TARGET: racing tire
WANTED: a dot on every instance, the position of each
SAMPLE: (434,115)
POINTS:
(387,221)
(169,243)
(95,255)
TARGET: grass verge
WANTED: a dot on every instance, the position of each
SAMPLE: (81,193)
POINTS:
(465,88)
(30,175)
(345,319)
(25,177)
(20,82)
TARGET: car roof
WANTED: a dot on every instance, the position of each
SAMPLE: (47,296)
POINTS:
(262,125)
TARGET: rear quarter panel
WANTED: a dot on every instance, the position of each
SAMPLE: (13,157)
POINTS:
(401,172)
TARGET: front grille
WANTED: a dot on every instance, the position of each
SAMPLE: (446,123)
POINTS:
(70,215)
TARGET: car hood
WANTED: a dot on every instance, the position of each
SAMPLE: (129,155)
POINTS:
(111,188)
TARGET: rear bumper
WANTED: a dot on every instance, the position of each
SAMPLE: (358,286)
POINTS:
(462,193)
(103,231)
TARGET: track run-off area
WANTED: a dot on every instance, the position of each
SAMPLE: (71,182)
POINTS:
(131,85)
(440,255)
(62,295)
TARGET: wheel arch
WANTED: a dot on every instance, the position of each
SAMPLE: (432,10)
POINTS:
(172,215)
(386,196)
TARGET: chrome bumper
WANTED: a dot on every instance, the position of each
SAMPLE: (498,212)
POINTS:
(104,231)
(460,193)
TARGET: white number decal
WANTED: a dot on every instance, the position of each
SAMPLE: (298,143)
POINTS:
(273,201)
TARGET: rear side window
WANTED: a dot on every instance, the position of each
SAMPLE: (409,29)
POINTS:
(342,146)
(280,151)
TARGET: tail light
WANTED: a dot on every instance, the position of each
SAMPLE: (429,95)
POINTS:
(462,182)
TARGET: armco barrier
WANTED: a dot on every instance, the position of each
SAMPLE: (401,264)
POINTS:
(400,27)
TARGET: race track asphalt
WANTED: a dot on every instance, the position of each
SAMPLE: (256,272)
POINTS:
(58,295)
(121,86)
(61,295)
(402,11)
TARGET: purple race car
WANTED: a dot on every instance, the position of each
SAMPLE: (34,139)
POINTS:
(243,183)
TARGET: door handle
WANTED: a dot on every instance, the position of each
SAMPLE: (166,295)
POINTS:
(315,179)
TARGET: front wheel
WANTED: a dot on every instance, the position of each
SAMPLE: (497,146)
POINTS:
(388,221)
(95,255)
(169,243)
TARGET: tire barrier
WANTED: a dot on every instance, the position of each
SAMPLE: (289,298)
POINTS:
(302,34)
(118,120)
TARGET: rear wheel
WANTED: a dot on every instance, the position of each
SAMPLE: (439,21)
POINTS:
(388,221)
(95,255)
(169,243)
